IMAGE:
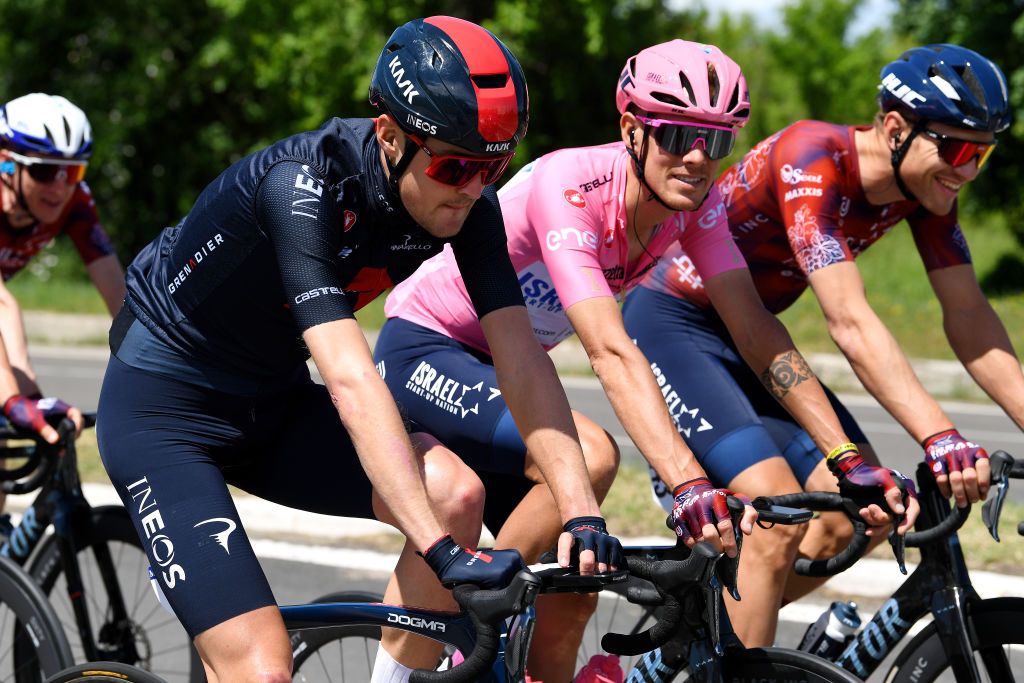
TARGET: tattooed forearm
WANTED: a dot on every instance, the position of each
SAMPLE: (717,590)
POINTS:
(785,372)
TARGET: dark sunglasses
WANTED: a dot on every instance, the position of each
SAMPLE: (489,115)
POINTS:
(679,137)
(455,170)
(46,171)
(957,152)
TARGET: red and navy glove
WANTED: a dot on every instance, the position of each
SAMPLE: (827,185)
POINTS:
(24,412)
(866,483)
(456,565)
(947,452)
(697,504)
(590,533)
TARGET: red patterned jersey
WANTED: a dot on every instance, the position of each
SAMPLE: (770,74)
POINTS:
(78,221)
(796,204)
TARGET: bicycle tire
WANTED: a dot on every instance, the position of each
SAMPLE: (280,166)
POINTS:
(614,614)
(776,663)
(33,641)
(152,639)
(335,653)
(995,623)
(98,672)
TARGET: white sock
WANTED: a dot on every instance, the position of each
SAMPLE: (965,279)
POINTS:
(387,670)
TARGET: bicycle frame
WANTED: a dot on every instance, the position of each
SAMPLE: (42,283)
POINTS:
(940,585)
(455,629)
(61,502)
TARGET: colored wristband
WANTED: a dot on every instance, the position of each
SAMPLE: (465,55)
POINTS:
(842,449)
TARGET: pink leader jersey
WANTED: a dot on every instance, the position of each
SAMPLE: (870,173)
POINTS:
(565,218)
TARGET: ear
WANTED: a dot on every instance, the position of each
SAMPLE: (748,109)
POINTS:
(389,136)
(894,127)
(627,127)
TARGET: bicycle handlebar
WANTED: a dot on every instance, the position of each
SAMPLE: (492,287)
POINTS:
(41,457)
(821,501)
(487,609)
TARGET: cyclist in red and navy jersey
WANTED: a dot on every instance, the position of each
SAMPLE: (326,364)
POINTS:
(208,383)
(802,205)
(45,145)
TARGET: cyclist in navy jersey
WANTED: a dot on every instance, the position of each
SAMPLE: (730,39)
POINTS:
(208,383)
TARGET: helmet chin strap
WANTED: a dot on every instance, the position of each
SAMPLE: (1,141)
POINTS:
(395,171)
(898,155)
(638,165)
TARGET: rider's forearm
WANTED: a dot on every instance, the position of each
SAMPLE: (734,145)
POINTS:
(886,373)
(371,418)
(770,352)
(980,341)
(534,395)
(12,327)
(633,392)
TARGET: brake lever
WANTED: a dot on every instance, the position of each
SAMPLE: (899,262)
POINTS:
(993,507)
(899,543)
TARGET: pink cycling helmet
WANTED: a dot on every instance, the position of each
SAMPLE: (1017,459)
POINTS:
(691,79)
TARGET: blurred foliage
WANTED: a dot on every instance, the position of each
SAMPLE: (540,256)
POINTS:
(995,28)
(178,90)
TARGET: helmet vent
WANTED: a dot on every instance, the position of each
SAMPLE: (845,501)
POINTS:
(490,80)
(49,135)
(669,99)
(632,67)
(713,84)
(687,87)
(735,98)
(67,129)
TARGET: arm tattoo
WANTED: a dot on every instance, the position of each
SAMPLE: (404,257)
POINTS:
(785,372)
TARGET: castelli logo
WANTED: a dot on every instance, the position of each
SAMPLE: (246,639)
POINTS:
(348,220)
(575,197)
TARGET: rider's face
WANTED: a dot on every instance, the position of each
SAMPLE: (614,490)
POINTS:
(933,181)
(46,200)
(439,208)
(681,180)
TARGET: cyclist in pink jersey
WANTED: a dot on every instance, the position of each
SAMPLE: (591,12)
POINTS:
(583,225)
(802,205)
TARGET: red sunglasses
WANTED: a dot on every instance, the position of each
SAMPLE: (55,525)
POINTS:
(456,170)
(957,152)
(46,171)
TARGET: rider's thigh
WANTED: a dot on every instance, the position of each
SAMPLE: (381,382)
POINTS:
(250,647)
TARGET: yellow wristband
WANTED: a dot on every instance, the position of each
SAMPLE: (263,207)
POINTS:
(842,449)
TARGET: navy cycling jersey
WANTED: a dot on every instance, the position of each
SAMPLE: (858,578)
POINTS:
(300,233)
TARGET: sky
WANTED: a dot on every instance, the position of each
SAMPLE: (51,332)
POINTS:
(872,14)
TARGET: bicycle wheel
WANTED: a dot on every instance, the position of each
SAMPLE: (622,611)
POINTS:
(97,672)
(997,638)
(32,642)
(146,635)
(614,614)
(336,653)
(773,663)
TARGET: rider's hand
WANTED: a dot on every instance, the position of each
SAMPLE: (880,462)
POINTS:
(24,412)
(960,466)
(589,538)
(701,513)
(455,565)
(52,405)
(863,482)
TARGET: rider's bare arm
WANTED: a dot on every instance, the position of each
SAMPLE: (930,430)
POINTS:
(627,379)
(535,397)
(979,339)
(12,328)
(873,353)
(766,346)
(371,418)
(108,278)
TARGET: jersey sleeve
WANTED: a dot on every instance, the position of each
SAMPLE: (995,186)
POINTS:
(302,223)
(939,239)
(481,252)
(83,226)
(568,229)
(807,188)
(707,240)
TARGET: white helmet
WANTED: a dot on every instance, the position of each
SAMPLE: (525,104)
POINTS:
(45,124)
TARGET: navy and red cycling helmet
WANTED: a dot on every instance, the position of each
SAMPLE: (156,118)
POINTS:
(452,80)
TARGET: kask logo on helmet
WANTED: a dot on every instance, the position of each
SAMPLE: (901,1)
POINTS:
(398,73)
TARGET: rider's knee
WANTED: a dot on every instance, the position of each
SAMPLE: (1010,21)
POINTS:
(836,532)
(601,454)
(774,549)
(454,488)
(569,610)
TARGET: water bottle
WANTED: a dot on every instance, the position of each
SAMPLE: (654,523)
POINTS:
(831,633)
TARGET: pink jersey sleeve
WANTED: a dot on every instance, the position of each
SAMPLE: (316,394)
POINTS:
(568,228)
(707,242)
